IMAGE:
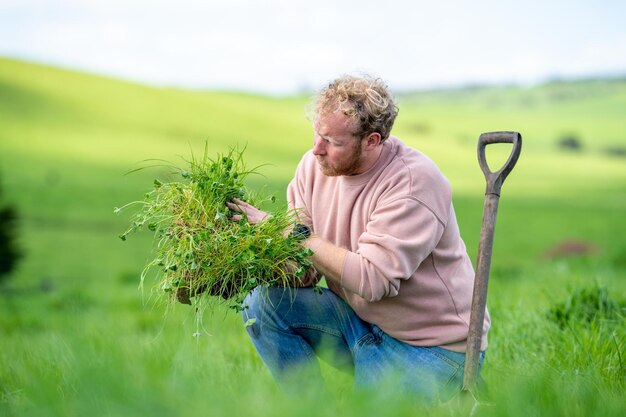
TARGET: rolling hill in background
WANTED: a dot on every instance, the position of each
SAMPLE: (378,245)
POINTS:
(67,138)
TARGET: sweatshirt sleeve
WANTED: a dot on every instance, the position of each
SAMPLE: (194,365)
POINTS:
(398,237)
(296,192)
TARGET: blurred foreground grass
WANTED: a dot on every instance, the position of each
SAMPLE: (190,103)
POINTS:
(77,337)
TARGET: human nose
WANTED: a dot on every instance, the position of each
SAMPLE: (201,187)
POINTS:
(318,145)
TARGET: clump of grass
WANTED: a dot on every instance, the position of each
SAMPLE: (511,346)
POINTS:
(200,251)
(590,341)
(585,305)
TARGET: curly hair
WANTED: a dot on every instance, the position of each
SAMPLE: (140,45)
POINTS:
(365,100)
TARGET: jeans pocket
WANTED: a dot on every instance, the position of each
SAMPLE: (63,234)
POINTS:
(455,359)
(450,375)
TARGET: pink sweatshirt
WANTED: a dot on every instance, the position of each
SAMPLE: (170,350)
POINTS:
(407,270)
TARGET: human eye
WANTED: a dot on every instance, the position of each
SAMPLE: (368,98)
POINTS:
(331,141)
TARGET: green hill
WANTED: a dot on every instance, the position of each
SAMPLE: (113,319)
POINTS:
(67,138)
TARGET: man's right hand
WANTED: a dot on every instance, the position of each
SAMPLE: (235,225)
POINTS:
(310,277)
(252,214)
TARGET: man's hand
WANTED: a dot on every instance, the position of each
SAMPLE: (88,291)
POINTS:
(253,214)
(328,259)
(310,278)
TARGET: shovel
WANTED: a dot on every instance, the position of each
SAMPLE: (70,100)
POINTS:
(485,247)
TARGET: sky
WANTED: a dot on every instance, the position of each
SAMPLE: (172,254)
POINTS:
(290,46)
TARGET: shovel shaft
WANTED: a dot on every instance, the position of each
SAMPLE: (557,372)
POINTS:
(479,295)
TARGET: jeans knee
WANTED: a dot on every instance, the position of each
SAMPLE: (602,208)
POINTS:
(258,304)
(260,310)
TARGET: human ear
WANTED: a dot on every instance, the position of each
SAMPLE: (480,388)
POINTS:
(373,140)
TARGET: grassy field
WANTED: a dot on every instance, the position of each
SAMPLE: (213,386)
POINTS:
(78,338)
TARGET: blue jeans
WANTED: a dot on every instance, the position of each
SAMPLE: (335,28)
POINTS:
(294,327)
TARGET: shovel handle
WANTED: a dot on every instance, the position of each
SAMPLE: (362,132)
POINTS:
(495,179)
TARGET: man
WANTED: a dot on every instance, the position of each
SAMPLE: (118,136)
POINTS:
(378,217)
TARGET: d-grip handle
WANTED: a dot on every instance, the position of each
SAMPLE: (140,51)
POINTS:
(495,179)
